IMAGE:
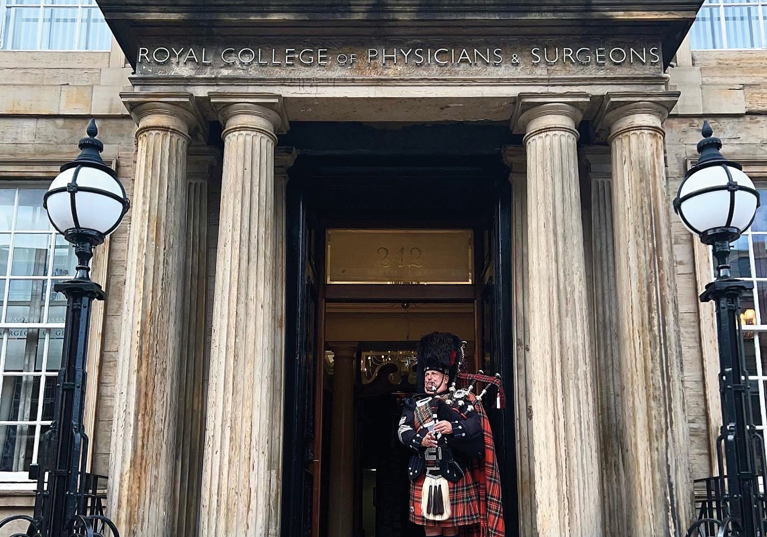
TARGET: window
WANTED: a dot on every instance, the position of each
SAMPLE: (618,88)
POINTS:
(53,25)
(32,258)
(749,261)
(730,24)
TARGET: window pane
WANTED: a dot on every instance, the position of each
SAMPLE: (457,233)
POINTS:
(59,25)
(706,32)
(55,346)
(760,221)
(742,27)
(740,264)
(749,351)
(49,395)
(31,215)
(30,255)
(16,446)
(26,300)
(94,32)
(57,308)
(756,402)
(24,350)
(24,31)
(7,200)
(20,398)
(5,247)
(64,259)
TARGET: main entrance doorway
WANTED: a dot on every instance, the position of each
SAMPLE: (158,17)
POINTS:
(379,253)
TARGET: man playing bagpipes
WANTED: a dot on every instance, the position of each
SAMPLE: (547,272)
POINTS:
(454,481)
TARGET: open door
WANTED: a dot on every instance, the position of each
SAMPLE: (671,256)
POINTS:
(497,340)
(303,363)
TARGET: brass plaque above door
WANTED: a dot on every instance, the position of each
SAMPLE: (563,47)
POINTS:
(400,256)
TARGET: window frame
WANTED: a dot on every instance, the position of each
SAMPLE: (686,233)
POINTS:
(40,172)
(704,263)
(720,5)
(42,6)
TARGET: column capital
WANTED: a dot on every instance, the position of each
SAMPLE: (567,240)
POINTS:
(263,112)
(540,111)
(175,111)
(623,111)
(284,157)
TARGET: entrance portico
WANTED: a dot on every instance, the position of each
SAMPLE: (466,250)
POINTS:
(559,97)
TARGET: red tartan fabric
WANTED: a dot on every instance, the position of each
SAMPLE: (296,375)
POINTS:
(489,478)
(464,503)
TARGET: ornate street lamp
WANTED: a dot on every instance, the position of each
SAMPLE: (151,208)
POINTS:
(85,203)
(718,202)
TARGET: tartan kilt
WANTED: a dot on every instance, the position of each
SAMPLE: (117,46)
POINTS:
(464,503)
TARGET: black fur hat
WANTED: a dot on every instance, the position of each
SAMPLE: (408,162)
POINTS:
(438,351)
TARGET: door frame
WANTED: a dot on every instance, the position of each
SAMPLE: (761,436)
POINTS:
(300,187)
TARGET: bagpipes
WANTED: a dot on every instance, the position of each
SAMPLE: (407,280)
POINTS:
(470,379)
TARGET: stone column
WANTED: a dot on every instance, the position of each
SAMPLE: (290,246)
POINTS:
(143,452)
(236,493)
(341,496)
(605,331)
(562,388)
(191,411)
(655,436)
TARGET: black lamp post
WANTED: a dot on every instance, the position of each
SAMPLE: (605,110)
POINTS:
(85,203)
(717,201)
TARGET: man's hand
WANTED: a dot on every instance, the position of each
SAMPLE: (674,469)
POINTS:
(444,427)
(429,440)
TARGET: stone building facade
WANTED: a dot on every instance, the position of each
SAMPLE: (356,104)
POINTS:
(199,398)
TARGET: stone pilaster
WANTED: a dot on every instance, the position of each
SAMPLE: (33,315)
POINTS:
(515,159)
(236,488)
(283,160)
(562,408)
(341,500)
(654,432)
(605,337)
(191,411)
(142,465)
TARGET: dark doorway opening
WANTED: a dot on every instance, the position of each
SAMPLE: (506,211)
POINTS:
(386,193)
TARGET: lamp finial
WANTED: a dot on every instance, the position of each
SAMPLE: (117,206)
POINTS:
(707,131)
(92,130)
(709,146)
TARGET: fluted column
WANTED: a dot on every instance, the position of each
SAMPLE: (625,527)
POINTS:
(605,332)
(655,436)
(142,465)
(241,394)
(562,389)
(189,440)
(341,500)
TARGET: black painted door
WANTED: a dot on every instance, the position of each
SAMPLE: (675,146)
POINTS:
(497,340)
(299,516)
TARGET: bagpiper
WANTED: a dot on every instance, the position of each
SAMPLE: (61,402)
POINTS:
(454,480)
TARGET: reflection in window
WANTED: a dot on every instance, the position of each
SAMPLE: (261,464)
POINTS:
(730,24)
(32,258)
(53,25)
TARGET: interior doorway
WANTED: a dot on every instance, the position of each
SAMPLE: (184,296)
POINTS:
(379,254)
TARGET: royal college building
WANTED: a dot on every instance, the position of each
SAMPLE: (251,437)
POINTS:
(316,185)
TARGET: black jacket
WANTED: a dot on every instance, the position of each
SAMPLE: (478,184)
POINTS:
(465,443)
